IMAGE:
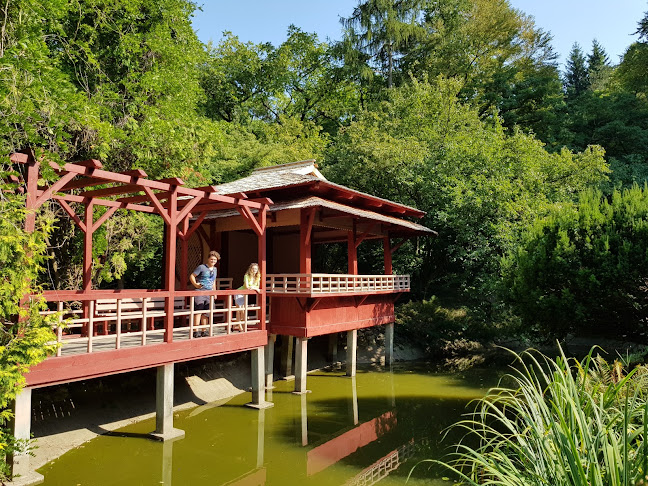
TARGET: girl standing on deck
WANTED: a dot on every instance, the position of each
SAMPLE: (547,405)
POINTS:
(251,281)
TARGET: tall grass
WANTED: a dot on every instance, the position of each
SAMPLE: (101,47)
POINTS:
(561,422)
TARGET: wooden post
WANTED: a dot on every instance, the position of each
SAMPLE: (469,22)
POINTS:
(353,252)
(388,256)
(169,283)
(261,250)
(184,255)
(305,246)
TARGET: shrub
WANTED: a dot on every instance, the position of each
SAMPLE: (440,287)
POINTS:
(583,266)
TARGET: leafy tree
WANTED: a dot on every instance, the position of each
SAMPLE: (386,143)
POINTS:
(479,186)
(576,81)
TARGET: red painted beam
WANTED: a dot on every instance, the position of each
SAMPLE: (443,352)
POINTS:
(64,369)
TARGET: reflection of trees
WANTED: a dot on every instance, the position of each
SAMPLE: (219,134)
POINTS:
(385,465)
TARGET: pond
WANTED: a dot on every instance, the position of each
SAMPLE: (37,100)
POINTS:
(348,431)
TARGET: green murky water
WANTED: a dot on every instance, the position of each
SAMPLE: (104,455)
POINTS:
(346,432)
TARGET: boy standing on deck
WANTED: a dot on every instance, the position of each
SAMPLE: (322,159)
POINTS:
(203,278)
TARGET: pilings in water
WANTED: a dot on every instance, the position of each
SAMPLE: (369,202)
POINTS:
(269,361)
(21,471)
(286,369)
(389,344)
(351,352)
(259,379)
(164,429)
(301,365)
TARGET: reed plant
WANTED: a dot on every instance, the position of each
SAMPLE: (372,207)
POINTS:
(558,422)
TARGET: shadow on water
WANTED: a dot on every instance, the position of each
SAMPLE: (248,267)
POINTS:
(348,431)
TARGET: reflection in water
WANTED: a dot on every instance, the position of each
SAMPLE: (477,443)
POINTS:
(348,431)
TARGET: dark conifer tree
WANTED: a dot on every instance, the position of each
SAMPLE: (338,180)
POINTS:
(576,79)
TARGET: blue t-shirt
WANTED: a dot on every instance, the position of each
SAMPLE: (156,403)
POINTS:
(205,276)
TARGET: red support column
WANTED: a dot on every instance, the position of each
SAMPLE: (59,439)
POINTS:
(87,245)
(184,256)
(262,268)
(32,187)
(305,246)
(169,282)
(353,252)
(388,256)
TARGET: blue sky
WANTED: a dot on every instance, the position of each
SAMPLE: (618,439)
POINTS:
(611,22)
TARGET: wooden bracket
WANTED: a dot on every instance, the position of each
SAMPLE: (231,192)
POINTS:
(72,215)
(397,245)
(309,303)
(359,300)
(194,226)
(47,193)
(188,207)
(312,304)
(103,218)
(309,224)
(258,225)
(161,210)
(364,235)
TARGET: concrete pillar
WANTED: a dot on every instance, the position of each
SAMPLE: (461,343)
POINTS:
(352,346)
(164,429)
(333,348)
(269,361)
(258,381)
(389,344)
(19,463)
(286,357)
(301,365)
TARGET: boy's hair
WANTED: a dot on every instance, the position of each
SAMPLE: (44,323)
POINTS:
(214,253)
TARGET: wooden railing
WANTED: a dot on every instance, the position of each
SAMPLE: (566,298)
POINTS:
(102,320)
(322,283)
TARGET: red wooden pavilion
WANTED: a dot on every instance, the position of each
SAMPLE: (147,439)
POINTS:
(280,211)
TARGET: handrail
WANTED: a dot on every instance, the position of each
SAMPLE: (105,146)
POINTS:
(329,283)
(101,320)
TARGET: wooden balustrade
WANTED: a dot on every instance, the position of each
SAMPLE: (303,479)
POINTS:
(117,319)
(323,284)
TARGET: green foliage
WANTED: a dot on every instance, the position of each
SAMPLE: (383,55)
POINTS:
(584,266)
(24,333)
(298,80)
(559,422)
(480,186)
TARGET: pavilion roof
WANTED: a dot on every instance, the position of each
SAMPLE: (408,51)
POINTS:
(286,181)
(397,226)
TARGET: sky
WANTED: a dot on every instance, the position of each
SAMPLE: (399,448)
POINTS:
(611,22)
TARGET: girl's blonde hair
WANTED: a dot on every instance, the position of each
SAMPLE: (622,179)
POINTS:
(249,273)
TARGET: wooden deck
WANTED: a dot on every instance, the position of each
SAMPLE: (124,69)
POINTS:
(100,332)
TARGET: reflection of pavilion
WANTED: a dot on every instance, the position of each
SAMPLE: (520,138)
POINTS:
(385,465)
